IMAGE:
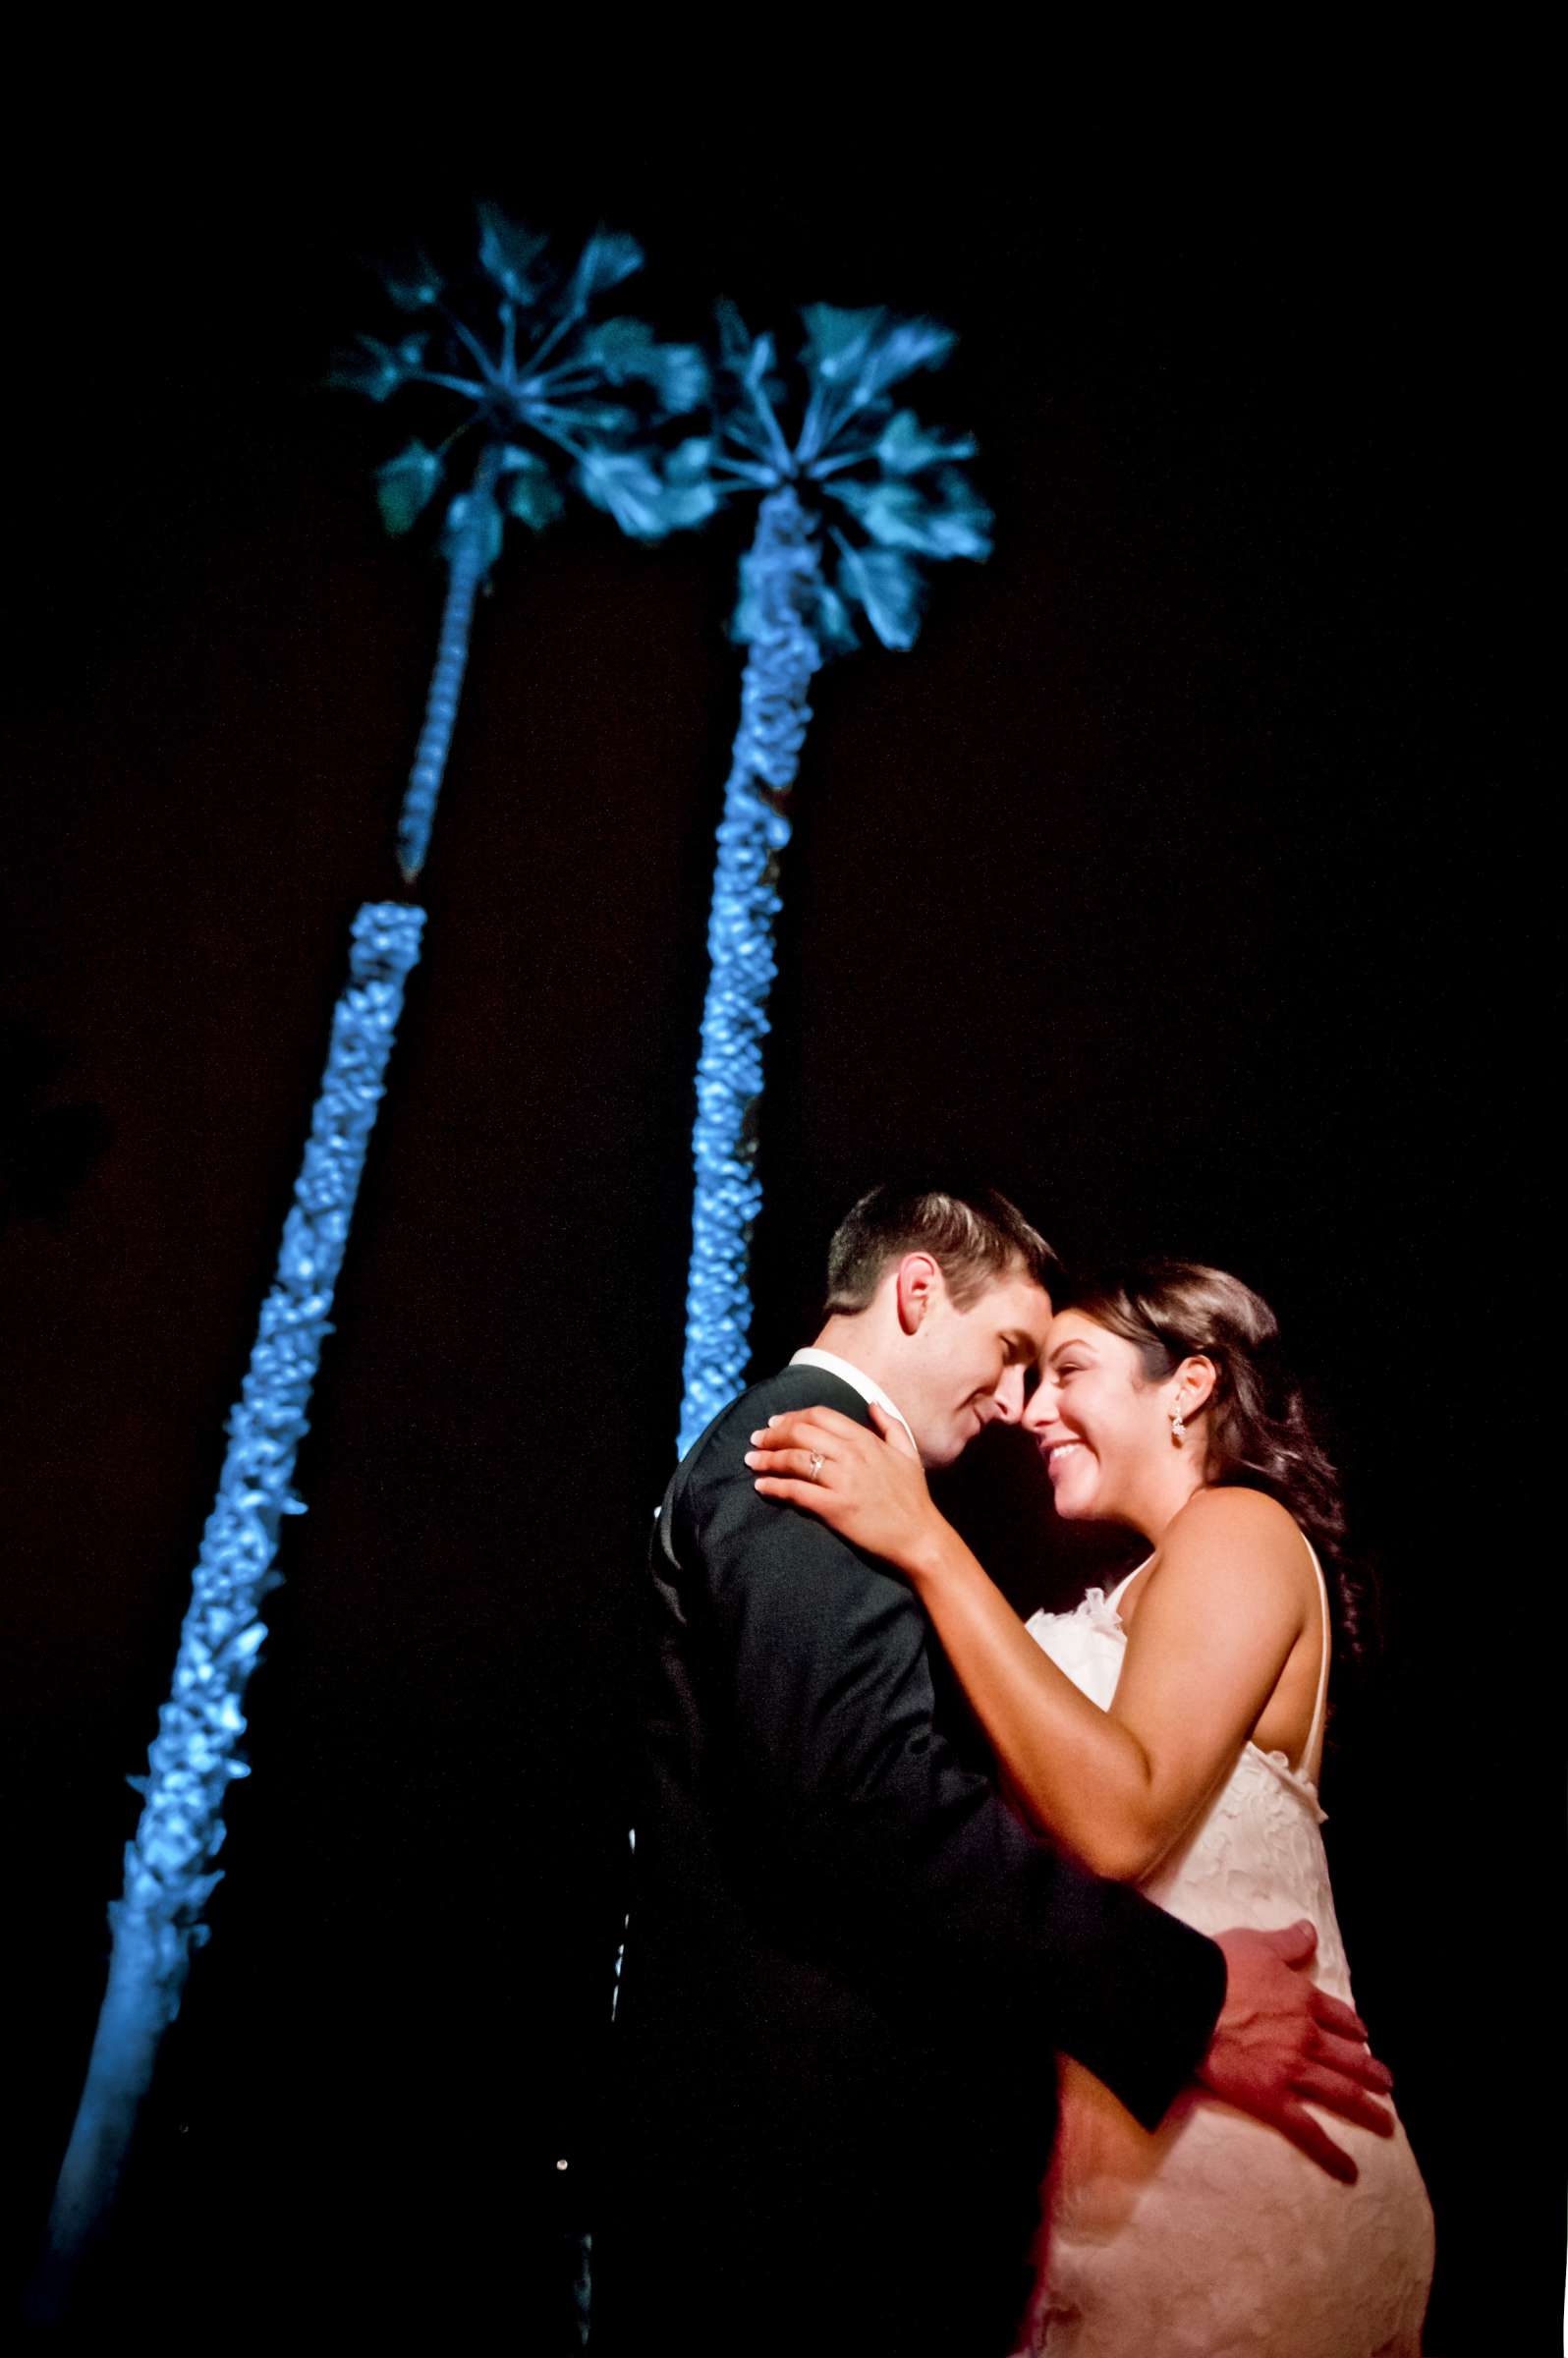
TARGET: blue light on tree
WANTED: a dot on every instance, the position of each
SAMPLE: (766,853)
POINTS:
(855,491)
(169,1874)
(546,397)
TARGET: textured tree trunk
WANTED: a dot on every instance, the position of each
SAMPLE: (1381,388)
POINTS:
(168,1864)
(468,562)
(782,573)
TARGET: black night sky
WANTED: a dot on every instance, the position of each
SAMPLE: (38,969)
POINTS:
(1168,882)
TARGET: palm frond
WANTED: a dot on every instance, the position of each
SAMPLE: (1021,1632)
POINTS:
(575,401)
(833,430)
(406,485)
(374,368)
(528,489)
(513,256)
(411,281)
(608,257)
(887,587)
(905,446)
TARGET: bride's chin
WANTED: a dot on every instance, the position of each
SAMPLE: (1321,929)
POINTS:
(1073,1504)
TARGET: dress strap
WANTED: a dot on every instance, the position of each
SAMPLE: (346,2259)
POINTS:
(1127,1579)
(1314,1733)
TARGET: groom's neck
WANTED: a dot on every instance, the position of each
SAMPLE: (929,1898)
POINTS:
(859,1340)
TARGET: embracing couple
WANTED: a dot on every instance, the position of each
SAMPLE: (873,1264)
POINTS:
(983,1990)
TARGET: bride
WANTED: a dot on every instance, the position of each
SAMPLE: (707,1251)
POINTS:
(1168,1734)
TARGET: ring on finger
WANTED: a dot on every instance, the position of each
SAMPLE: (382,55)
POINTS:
(815,1470)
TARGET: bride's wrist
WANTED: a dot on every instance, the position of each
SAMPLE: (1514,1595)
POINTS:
(925,1559)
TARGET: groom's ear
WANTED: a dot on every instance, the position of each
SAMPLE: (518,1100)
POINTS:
(917,1284)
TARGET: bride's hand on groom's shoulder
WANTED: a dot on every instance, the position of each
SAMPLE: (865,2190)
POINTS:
(871,1487)
(1281,2043)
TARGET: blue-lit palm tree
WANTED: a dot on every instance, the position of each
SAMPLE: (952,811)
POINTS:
(547,396)
(169,1872)
(854,492)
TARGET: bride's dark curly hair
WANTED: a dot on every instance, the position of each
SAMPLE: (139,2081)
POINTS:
(1258,1432)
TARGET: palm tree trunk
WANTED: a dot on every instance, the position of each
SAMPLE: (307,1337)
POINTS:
(469,560)
(168,1864)
(782,572)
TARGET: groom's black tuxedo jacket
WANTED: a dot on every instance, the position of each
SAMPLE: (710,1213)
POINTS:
(848,1967)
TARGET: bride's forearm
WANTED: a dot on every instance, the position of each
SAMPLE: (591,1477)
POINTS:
(1085,1779)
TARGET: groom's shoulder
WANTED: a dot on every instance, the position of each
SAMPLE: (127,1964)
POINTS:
(711,1512)
(792,1387)
(718,1455)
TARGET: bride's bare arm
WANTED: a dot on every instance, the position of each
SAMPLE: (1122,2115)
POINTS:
(1219,1613)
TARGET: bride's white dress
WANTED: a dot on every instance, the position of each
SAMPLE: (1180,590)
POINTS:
(1213,2237)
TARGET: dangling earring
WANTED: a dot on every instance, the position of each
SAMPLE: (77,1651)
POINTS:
(1178,1427)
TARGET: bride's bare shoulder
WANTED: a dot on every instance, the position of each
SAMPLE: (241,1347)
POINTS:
(1232,1506)
(1232,1528)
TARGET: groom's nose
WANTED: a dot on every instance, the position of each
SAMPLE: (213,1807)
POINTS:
(1009,1396)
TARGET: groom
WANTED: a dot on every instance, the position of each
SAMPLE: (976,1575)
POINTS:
(849,1968)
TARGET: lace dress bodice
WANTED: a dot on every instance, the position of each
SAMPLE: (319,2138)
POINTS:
(1214,2236)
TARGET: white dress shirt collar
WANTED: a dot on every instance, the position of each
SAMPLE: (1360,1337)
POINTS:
(856,1379)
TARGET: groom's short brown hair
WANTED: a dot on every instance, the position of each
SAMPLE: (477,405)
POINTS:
(976,1237)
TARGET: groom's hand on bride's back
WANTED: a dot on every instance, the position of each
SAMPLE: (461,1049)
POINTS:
(1281,2042)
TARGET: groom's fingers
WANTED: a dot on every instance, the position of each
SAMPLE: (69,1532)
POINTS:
(1342,2096)
(1332,2014)
(1300,2127)
(1356,2061)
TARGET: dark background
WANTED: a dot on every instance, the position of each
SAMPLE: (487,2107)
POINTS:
(1173,879)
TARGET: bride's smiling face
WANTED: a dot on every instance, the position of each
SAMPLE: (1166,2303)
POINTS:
(1100,1425)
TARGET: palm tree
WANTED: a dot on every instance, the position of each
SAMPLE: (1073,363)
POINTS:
(855,491)
(169,1875)
(546,394)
